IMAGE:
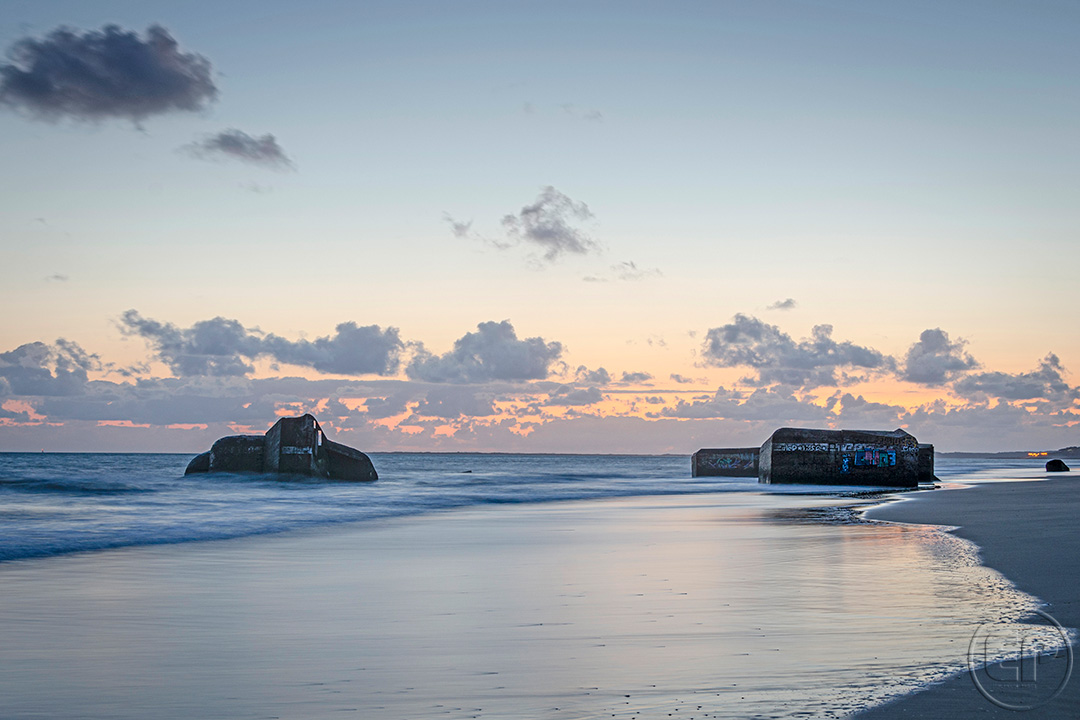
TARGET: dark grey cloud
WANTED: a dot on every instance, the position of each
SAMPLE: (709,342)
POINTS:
(388,406)
(1047,382)
(193,400)
(47,370)
(599,376)
(137,369)
(107,73)
(215,400)
(778,359)
(493,352)
(776,405)
(454,402)
(788,304)
(682,379)
(57,277)
(238,145)
(857,411)
(779,405)
(223,347)
(165,401)
(570,396)
(351,350)
(550,222)
(935,360)
(75,406)
(635,377)
(220,346)
(990,427)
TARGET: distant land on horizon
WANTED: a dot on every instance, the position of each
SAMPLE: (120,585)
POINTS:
(1073,451)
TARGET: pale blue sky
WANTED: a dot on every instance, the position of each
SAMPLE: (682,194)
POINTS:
(892,166)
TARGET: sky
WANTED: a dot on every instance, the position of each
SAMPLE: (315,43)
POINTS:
(640,227)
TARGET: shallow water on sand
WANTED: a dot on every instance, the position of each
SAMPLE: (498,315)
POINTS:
(729,605)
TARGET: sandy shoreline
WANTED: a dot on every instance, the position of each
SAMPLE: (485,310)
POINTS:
(1028,531)
(718,605)
(721,605)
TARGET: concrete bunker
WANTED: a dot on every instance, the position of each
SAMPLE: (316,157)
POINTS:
(293,446)
(727,462)
(825,457)
(845,457)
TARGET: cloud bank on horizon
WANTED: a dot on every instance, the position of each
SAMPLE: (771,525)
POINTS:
(779,360)
(223,347)
(493,390)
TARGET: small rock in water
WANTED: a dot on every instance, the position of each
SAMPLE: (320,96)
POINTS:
(1056,465)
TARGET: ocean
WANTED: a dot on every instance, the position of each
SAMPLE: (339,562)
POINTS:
(58,503)
(709,597)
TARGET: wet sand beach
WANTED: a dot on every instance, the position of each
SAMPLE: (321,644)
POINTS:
(1030,532)
(733,605)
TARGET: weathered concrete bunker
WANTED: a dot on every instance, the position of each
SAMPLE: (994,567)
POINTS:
(926,463)
(293,446)
(825,457)
(728,462)
(848,457)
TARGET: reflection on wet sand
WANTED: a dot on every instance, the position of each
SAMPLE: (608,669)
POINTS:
(705,605)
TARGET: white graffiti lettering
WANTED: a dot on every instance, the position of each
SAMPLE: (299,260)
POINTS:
(801,447)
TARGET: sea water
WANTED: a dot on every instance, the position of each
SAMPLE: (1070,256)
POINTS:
(737,600)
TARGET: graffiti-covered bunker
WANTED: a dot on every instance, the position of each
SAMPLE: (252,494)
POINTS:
(730,462)
(826,457)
